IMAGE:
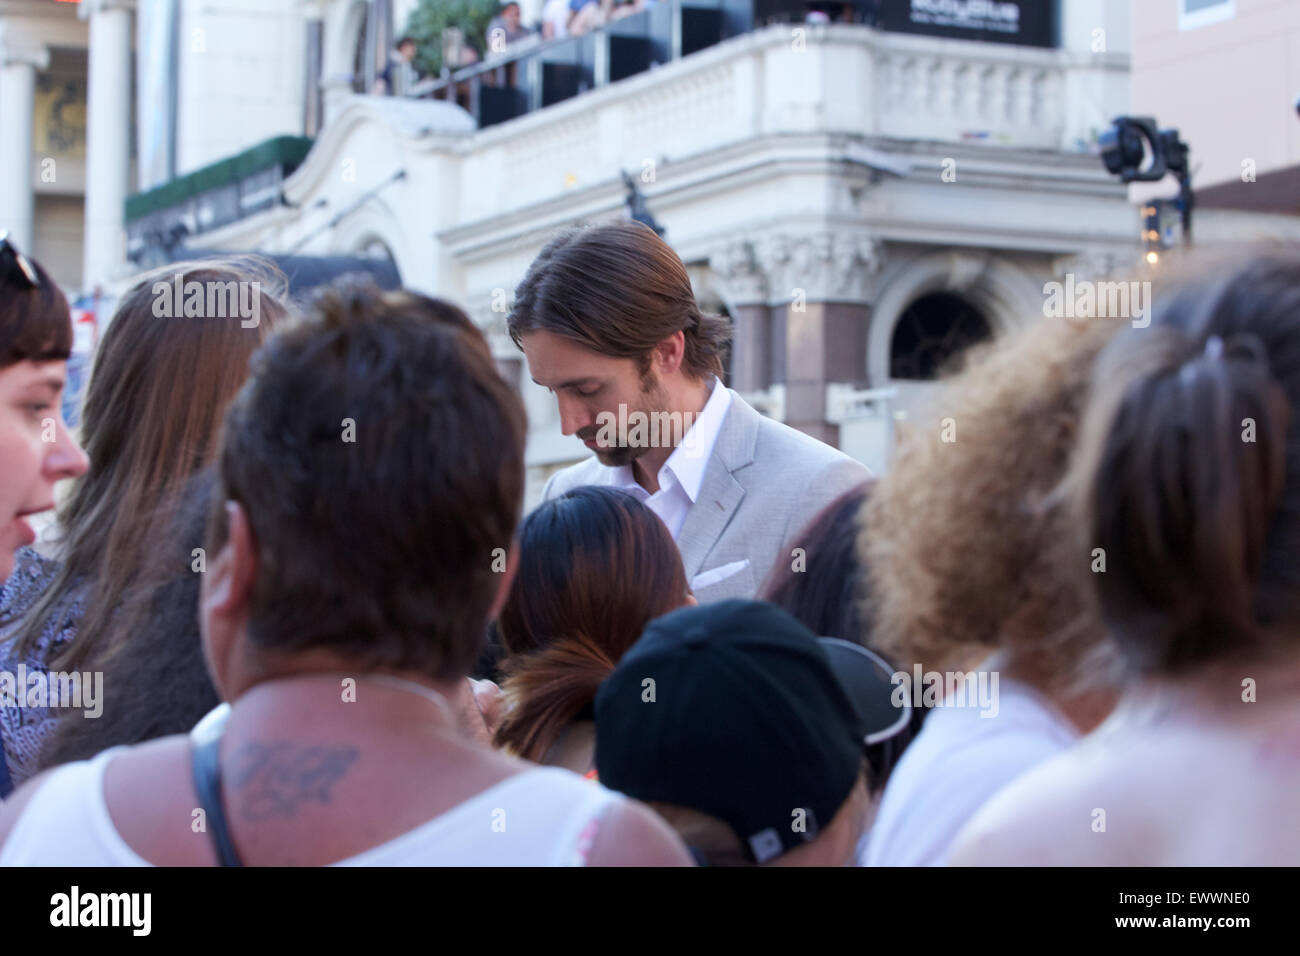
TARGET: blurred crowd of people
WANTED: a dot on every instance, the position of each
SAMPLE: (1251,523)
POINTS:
(296,555)
(559,19)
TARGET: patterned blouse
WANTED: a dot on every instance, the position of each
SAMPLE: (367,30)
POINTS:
(23,729)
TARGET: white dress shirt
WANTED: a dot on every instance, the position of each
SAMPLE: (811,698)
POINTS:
(683,473)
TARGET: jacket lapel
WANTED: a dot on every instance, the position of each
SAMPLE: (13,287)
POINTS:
(721,492)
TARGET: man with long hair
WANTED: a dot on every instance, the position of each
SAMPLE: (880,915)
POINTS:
(608,322)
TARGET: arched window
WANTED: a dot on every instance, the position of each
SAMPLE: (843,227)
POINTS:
(931,332)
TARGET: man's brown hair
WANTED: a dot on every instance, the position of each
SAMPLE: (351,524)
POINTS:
(379,456)
(619,290)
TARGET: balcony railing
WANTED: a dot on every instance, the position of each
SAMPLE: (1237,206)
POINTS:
(534,74)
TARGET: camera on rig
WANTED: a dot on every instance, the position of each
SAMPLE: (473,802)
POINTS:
(1136,151)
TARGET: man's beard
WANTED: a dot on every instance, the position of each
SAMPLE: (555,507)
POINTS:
(653,399)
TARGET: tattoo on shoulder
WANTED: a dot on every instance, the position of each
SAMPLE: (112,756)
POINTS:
(274,779)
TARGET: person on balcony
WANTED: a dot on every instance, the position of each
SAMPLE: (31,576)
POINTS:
(555,19)
(590,14)
(505,29)
(399,75)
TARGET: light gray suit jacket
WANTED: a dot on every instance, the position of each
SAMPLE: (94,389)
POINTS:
(764,481)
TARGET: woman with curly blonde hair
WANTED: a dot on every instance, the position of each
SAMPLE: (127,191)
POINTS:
(973,587)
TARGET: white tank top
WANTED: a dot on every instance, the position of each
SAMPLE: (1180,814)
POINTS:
(541,817)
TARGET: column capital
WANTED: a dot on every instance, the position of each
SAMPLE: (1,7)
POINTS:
(313,9)
(738,272)
(37,57)
(830,265)
(88,8)
(18,47)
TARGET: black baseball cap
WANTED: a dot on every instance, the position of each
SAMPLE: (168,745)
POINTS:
(737,710)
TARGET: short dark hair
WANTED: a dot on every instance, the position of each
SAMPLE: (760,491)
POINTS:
(402,41)
(619,290)
(35,322)
(1188,473)
(379,456)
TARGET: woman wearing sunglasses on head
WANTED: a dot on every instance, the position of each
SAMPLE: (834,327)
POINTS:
(151,414)
(36,449)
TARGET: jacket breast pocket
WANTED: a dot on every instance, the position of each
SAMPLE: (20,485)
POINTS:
(734,580)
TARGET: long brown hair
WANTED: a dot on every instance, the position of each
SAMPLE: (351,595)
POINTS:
(618,290)
(150,420)
(164,650)
(1188,473)
(595,567)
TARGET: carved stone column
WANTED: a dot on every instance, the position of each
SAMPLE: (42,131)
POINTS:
(745,287)
(821,285)
(18,67)
(108,125)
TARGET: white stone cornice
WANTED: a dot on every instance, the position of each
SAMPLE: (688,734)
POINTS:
(406,122)
(824,266)
(30,24)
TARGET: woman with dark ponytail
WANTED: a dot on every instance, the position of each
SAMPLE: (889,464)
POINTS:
(1187,489)
(595,567)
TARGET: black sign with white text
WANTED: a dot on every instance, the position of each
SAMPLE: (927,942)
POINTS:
(1024,22)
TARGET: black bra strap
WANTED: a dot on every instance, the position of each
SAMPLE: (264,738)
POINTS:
(205,743)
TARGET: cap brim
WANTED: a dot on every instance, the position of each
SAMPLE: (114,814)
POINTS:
(867,679)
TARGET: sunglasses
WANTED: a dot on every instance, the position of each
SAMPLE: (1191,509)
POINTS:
(24,264)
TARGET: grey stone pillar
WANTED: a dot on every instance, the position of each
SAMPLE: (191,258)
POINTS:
(108,130)
(18,67)
(745,289)
(821,286)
